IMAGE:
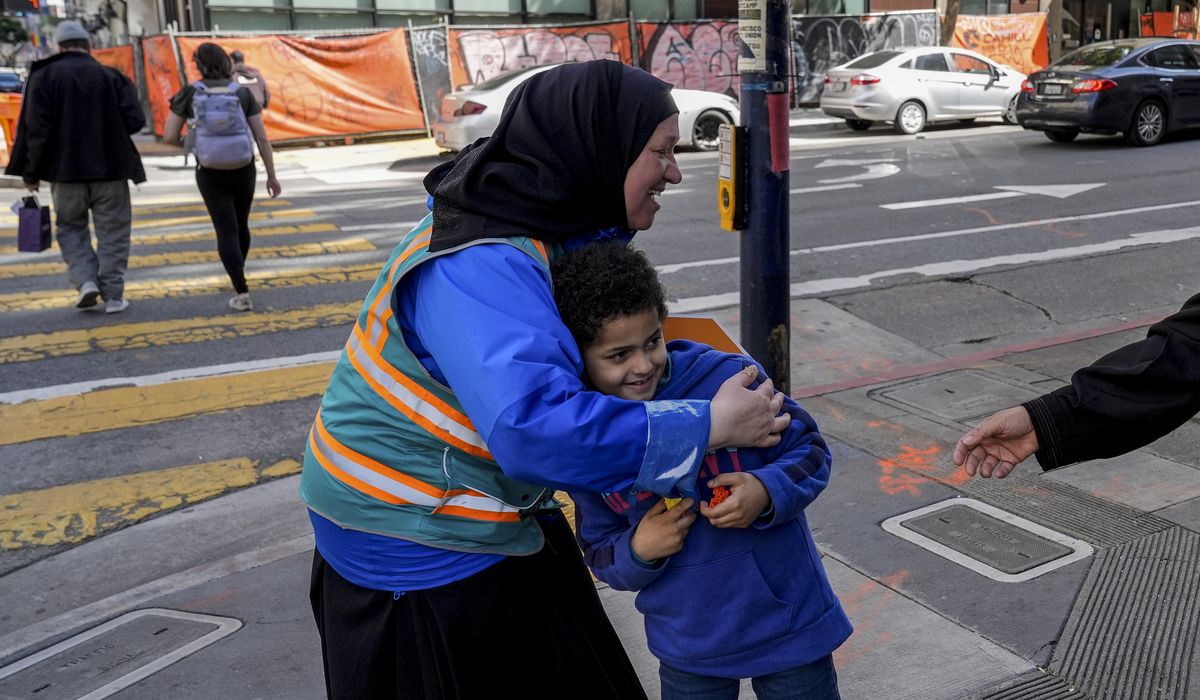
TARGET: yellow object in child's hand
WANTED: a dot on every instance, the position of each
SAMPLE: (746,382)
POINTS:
(671,502)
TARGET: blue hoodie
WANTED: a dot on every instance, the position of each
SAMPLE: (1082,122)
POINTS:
(734,603)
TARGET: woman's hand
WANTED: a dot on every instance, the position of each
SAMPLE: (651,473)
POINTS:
(661,532)
(273,187)
(747,500)
(740,417)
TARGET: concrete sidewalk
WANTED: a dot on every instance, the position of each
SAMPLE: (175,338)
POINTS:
(1104,604)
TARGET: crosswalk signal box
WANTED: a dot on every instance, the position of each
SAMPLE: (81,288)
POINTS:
(731,177)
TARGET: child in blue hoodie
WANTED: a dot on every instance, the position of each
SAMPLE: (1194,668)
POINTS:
(738,592)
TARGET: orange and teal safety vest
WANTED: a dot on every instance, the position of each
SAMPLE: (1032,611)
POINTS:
(392,451)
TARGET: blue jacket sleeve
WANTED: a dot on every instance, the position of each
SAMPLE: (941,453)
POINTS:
(604,537)
(796,470)
(484,320)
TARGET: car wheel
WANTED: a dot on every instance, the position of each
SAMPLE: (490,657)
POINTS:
(910,118)
(1010,112)
(1149,124)
(706,132)
(858,124)
(1062,135)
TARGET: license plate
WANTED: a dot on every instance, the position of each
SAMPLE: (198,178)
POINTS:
(839,86)
(1052,89)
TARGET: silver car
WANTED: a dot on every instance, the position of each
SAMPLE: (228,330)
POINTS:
(911,88)
(474,113)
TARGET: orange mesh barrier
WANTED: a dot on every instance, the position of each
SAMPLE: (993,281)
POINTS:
(328,87)
(10,112)
(162,77)
(119,57)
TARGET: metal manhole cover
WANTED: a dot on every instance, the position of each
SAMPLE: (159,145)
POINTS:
(113,656)
(987,540)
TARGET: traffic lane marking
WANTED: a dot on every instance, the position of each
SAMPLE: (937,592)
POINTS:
(73,513)
(132,406)
(180,237)
(153,334)
(42,300)
(197,257)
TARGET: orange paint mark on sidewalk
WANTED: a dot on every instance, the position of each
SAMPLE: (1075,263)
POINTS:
(865,606)
(897,476)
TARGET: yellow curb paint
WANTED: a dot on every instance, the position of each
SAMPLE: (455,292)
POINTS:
(136,336)
(199,208)
(207,235)
(198,219)
(197,286)
(127,407)
(194,257)
(287,467)
(76,512)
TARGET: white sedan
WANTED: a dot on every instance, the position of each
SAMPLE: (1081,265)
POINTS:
(911,88)
(473,113)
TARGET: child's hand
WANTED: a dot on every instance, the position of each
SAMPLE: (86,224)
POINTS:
(747,500)
(661,532)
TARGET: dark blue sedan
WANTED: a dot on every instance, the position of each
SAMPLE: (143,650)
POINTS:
(1142,88)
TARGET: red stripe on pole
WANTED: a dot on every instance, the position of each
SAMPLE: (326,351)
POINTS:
(777,124)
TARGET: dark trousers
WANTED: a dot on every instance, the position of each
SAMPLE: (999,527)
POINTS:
(228,195)
(521,628)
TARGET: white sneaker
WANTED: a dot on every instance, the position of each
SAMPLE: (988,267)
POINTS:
(241,302)
(89,293)
(116,306)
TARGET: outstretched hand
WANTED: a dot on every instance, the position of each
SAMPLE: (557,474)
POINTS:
(997,445)
(741,417)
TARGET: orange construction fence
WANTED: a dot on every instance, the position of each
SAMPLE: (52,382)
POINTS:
(329,87)
(10,112)
(1016,40)
(119,57)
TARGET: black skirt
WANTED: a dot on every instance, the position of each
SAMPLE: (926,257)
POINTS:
(524,627)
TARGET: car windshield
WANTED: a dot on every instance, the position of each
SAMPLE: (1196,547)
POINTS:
(1094,56)
(873,60)
(503,78)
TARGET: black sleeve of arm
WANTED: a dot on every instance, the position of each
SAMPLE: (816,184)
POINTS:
(1126,399)
(181,103)
(249,105)
(131,110)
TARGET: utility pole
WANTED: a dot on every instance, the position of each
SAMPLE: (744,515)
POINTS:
(764,26)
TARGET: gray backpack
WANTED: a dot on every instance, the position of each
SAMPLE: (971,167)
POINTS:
(223,138)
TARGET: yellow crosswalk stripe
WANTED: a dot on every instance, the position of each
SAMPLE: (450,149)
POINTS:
(126,407)
(135,336)
(208,235)
(73,513)
(144,223)
(193,257)
(200,285)
(199,207)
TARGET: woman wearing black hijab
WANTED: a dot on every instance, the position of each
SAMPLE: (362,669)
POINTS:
(444,568)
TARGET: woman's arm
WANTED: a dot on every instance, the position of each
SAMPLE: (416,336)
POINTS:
(264,149)
(173,129)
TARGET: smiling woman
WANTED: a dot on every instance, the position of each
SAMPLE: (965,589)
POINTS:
(443,565)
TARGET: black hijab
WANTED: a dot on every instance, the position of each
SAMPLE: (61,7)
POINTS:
(555,166)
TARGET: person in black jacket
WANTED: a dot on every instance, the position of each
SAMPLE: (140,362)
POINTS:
(1125,400)
(74,132)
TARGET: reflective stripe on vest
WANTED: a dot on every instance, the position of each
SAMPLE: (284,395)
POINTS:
(372,478)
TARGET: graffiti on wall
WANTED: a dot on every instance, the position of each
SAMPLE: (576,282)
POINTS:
(692,55)
(821,43)
(1014,40)
(479,54)
(433,66)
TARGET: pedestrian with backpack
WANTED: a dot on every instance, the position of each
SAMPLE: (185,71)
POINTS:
(228,122)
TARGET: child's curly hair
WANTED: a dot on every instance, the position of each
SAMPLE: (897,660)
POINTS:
(600,282)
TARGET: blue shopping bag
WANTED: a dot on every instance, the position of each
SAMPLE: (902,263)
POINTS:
(33,226)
